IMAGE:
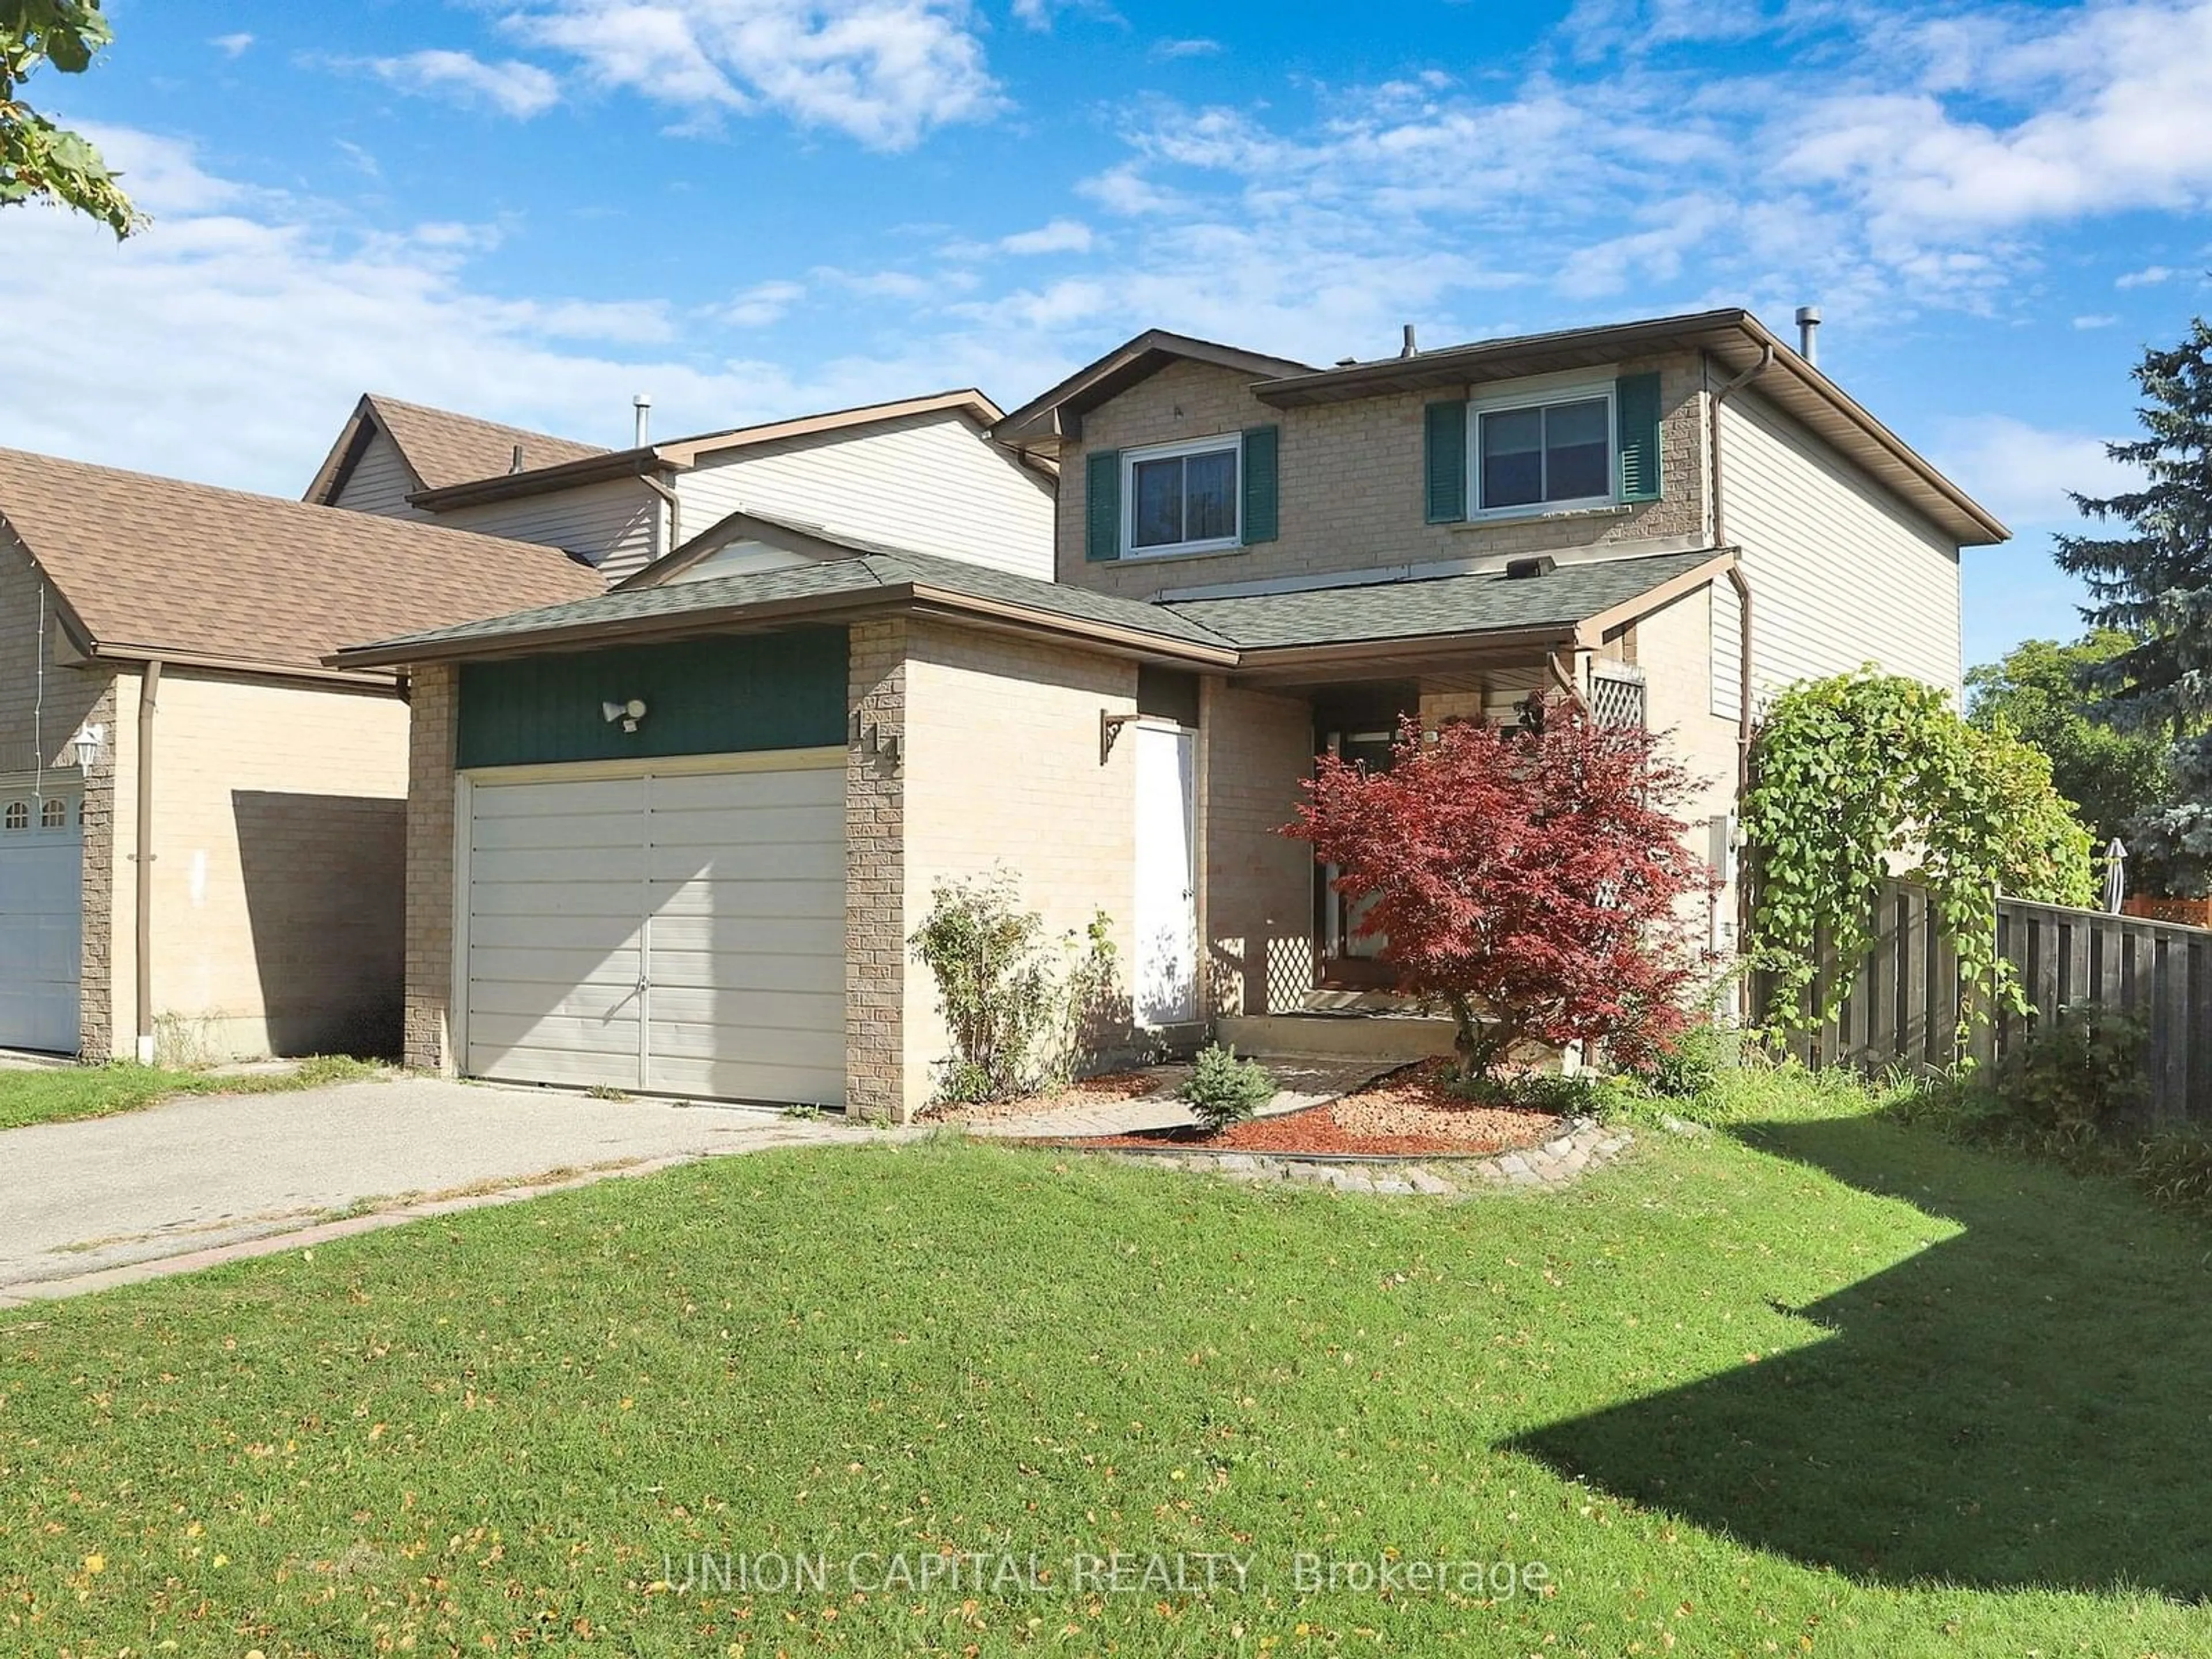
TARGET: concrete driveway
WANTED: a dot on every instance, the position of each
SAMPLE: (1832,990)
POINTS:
(84,1205)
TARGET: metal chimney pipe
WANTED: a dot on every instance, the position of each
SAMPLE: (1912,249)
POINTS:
(642,403)
(1809,324)
(1409,349)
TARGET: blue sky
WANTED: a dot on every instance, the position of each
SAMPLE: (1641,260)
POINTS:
(531,208)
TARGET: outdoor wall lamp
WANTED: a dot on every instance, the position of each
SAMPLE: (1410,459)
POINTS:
(629,714)
(88,743)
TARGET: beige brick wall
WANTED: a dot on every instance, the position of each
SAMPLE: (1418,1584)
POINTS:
(276,887)
(1352,482)
(426,1007)
(1258,884)
(1001,764)
(877,1075)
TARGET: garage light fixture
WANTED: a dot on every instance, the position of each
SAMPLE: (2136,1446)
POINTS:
(629,714)
(88,743)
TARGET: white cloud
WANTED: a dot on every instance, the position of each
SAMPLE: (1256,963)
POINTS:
(2022,472)
(232,45)
(884,72)
(2149,277)
(2101,319)
(1192,48)
(1061,236)
(762,304)
(510,87)
(240,326)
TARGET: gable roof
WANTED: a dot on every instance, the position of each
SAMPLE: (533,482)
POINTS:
(1732,336)
(146,567)
(872,582)
(442,449)
(679,454)
(1059,413)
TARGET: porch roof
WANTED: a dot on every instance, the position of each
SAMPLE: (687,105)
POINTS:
(1492,602)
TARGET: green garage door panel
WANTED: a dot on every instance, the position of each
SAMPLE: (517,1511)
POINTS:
(714,696)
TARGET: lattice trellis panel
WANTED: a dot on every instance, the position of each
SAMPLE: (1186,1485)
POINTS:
(1616,699)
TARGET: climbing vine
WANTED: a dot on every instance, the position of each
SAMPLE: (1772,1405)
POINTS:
(1866,776)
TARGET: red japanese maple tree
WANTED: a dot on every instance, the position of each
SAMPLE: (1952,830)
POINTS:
(1531,879)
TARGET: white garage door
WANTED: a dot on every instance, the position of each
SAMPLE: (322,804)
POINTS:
(41,915)
(682,934)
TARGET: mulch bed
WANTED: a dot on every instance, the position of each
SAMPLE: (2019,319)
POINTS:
(1409,1113)
(1107,1087)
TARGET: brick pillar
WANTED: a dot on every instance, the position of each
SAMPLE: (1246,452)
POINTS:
(426,1026)
(875,875)
(96,980)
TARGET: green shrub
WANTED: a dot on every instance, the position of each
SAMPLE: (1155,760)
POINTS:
(2175,1170)
(1689,1067)
(2078,1074)
(1223,1090)
(1022,1017)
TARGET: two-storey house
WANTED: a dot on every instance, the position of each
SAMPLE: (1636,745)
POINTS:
(1255,561)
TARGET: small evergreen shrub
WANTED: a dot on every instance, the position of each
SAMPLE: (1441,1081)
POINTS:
(1223,1090)
(1689,1068)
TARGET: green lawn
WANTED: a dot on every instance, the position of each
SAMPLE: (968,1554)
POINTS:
(1819,1384)
(59,1093)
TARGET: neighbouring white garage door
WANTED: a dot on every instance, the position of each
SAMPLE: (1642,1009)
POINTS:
(681,934)
(41,915)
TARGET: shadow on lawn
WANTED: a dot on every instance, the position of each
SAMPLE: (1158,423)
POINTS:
(2024,1405)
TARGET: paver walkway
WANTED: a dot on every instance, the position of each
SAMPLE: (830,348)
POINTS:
(84,1202)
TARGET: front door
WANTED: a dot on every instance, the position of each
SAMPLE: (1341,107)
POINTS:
(1167,875)
(1347,957)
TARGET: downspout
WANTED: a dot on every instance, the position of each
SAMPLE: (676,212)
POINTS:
(1743,728)
(149,690)
(1735,575)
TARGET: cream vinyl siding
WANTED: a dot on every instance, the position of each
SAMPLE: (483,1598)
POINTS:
(380,482)
(1842,572)
(1726,673)
(933,483)
(612,526)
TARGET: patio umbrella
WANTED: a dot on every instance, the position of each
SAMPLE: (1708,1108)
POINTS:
(2116,876)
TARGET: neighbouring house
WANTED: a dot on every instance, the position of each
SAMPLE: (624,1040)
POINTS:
(201,822)
(922,473)
(675,837)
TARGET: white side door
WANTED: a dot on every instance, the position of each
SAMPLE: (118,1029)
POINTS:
(41,915)
(1167,875)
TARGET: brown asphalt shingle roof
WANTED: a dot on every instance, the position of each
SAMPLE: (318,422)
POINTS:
(148,566)
(445,448)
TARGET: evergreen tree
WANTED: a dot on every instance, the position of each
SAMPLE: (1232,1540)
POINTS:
(2155,585)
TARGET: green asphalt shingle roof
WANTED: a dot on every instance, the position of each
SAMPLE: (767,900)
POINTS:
(826,579)
(1437,604)
(1326,616)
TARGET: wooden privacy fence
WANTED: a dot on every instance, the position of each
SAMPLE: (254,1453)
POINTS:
(1907,997)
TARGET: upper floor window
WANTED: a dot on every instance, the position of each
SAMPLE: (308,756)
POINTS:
(1552,454)
(1557,445)
(1202,495)
(1183,497)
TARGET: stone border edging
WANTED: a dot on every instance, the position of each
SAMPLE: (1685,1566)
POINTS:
(1582,1144)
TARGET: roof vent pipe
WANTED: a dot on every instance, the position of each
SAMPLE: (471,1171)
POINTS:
(515,466)
(1409,349)
(642,403)
(1808,325)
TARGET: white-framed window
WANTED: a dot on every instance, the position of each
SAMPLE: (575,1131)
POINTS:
(53,813)
(1183,498)
(1541,451)
(18,815)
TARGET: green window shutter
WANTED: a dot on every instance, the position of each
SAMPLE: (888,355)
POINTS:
(1260,492)
(1636,415)
(1102,505)
(1445,435)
